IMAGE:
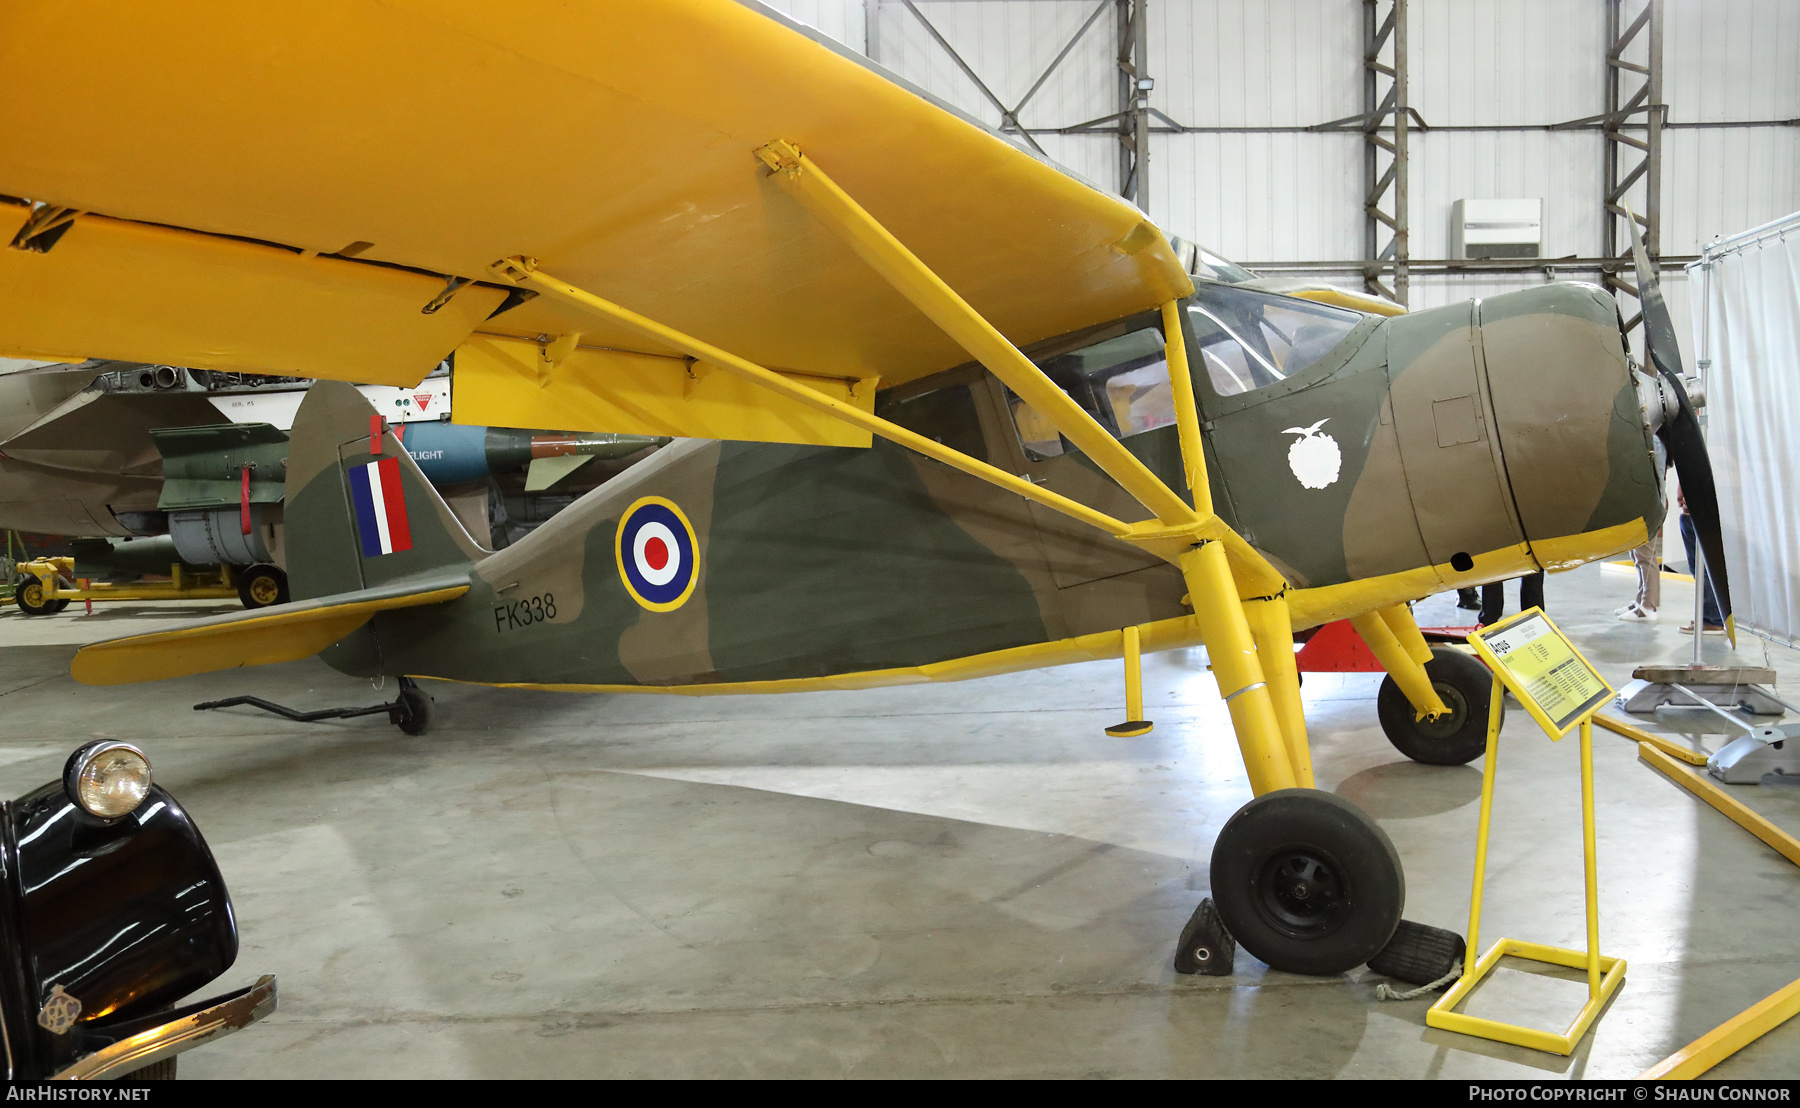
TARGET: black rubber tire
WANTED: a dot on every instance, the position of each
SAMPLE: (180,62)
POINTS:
(28,594)
(1453,740)
(163,1070)
(262,585)
(1306,882)
(414,714)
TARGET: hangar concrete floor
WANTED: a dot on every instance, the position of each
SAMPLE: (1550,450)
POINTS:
(960,880)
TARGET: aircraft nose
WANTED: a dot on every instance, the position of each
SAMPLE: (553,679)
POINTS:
(1575,423)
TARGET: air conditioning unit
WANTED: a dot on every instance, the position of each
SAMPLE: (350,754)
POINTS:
(1497,229)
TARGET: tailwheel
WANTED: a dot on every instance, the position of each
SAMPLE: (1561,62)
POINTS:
(1465,685)
(1306,882)
(411,711)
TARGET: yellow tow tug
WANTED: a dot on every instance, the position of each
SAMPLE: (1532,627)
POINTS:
(46,586)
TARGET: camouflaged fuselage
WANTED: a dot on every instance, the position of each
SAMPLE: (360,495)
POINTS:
(1473,441)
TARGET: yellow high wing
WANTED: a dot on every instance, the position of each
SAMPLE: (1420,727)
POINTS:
(681,217)
(285,188)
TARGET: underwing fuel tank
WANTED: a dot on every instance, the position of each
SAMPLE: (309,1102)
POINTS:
(1488,438)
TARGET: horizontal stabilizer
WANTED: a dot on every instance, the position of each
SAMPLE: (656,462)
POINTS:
(282,634)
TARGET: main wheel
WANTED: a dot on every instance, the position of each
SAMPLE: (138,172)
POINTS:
(29,595)
(1306,882)
(1465,685)
(262,585)
(412,711)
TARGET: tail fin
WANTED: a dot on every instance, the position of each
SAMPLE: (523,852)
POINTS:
(359,513)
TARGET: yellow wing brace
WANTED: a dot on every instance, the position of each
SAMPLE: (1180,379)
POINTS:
(283,634)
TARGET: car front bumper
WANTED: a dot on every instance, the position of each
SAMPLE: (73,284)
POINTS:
(192,1025)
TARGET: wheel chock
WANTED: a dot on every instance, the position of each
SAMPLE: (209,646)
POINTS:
(1205,946)
(1419,954)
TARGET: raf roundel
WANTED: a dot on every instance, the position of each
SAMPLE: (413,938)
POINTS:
(659,559)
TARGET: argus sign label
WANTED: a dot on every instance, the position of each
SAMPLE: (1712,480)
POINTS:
(658,557)
(1543,669)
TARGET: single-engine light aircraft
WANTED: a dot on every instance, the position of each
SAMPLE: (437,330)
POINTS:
(945,411)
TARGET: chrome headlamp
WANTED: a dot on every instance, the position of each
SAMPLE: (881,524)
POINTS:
(107,779)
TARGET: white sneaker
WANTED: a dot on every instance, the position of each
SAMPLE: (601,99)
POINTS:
(1631,613)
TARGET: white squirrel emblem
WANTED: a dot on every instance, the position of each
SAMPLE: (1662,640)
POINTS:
(1314,458)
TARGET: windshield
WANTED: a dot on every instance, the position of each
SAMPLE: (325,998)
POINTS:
(1249,340)
(1123,382)
(1214,268)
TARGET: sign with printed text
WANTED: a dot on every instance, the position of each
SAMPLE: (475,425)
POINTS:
(1543,669)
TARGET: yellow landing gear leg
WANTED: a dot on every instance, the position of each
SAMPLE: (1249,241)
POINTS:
(1434,705)
(1232,651)
(1135,724)
(1400,621)
(1302,879)
(1274,633)
(1405,662)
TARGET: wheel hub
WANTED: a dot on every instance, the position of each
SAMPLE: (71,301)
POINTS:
(1448,724)
(1302,893)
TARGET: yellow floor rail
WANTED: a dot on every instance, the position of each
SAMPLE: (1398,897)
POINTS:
(1703,787)
(1772,1011)
(1638,734)
(1728,1038)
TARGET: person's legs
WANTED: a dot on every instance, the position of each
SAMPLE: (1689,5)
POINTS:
(1531,590)
(1493,599)
(1710,608)
(1649,590)
(1468,598)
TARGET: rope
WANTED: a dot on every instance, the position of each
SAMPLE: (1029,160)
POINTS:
(1385,991)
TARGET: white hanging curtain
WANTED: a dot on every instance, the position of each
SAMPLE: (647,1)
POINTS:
(1748,322)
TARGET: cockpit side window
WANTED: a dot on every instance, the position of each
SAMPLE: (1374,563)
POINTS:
(1250,340)
(946,415)
(1123,382)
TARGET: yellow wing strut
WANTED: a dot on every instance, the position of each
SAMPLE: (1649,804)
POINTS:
(1196,540)
(524,271)
(914,280)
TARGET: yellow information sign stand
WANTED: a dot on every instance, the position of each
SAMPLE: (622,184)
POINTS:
(1530,658)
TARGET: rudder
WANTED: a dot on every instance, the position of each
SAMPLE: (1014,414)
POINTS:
(356,516)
